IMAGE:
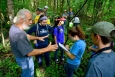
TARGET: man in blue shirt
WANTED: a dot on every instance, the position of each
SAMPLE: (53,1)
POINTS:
(102,63)
(70,13)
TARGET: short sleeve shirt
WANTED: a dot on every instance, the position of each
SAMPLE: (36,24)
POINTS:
(37,18)
(101,65)
(20,45)
(59,33)
(77,49)
(41,31)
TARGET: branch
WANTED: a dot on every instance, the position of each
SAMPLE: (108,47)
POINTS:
(74,15)
(79,10)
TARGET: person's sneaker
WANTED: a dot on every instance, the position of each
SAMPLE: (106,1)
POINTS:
(57,61)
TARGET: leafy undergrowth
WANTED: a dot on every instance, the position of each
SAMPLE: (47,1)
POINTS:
(9,68)
(54,70)
(57,70)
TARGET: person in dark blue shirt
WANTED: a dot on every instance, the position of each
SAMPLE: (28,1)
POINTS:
(42,29)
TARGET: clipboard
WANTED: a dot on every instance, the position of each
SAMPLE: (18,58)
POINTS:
(63,47)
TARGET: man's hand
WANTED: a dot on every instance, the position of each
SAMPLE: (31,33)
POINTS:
(90,48)
(52,47)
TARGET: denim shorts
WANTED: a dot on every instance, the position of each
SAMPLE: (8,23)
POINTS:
(27,66)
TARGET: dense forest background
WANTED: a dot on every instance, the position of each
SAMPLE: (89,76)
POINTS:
(89,12)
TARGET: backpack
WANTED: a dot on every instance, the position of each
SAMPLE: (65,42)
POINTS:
(37,32)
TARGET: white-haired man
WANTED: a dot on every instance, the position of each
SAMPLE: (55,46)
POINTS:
(20,44)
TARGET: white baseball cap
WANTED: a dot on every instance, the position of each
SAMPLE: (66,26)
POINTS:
(46,7)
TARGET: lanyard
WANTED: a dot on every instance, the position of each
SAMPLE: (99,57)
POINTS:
(99,51)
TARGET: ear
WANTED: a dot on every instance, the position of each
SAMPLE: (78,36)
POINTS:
(76,37)
(98,38)
(21,20)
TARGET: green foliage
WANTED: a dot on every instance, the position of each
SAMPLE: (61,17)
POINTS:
(8,66)
(3,6)
(5,49)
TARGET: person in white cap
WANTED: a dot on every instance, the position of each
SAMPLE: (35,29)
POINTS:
(45,9)
(76,21)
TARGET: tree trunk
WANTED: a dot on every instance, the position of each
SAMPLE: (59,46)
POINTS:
(1,21)
(54,7)
(10,10)
(61,6)
(36,4)
(57,6)
(3,40)
(96,12)
(110,7)
(49,3)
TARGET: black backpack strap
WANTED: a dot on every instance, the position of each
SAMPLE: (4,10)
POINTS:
(47,28)
(37,32)
(99,51)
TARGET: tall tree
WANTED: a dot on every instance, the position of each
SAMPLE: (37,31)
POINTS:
(35,4)
(96,11)
(1,28)
(57,4)
(74,15)
(61,5)
(10,9)
(54,6)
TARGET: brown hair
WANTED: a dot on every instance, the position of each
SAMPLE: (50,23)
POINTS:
(105,39)
(77,30)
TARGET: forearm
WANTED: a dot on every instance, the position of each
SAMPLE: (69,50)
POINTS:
(38,51)
(55,39)
(71,56)
(93,49)
(32,37)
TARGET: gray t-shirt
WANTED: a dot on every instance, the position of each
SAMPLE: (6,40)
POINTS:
(20,45)
(102,65)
